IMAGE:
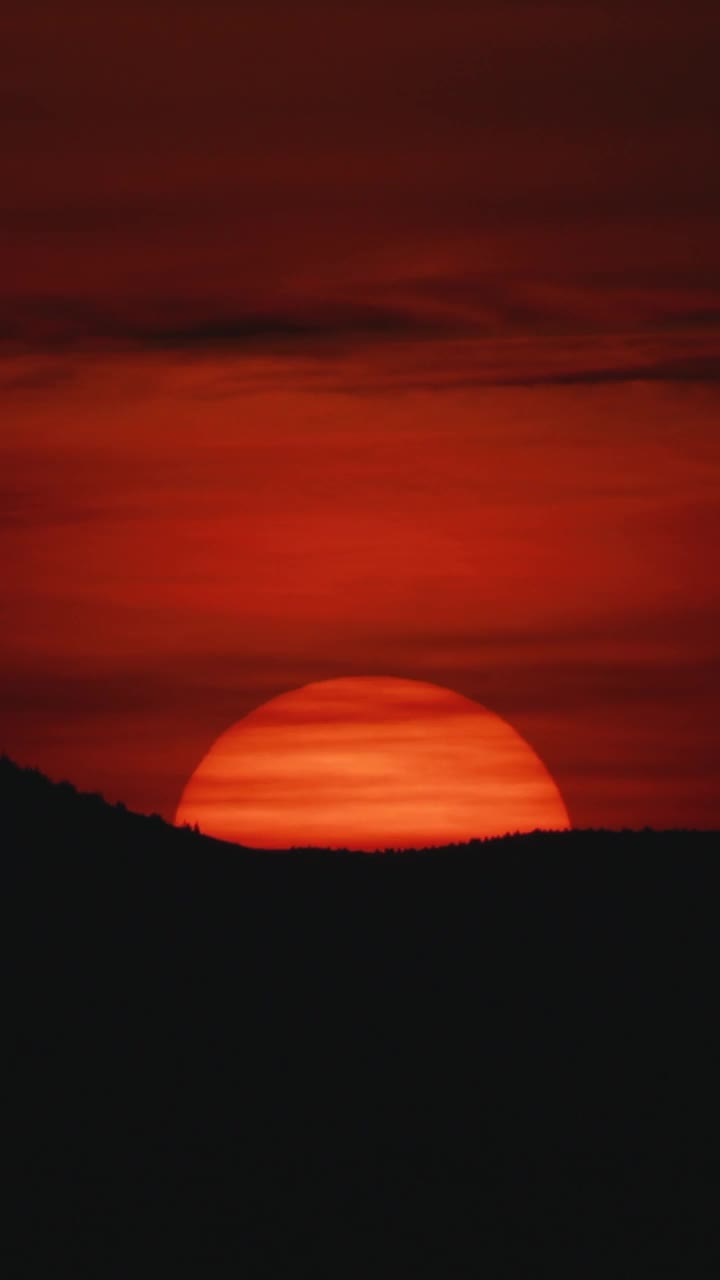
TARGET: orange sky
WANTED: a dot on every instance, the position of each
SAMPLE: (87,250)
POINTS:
(362,340)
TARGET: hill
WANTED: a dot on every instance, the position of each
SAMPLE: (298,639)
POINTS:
(504,1046)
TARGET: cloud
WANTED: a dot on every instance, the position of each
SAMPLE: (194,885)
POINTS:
(70,323)
(704,368)
(494,340)
(572,668)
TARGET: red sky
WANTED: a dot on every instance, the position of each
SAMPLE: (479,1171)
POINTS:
(377,339)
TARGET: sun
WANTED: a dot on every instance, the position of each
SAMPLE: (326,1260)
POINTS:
(369,762)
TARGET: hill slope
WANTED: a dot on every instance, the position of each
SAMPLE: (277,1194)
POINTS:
(319,1037)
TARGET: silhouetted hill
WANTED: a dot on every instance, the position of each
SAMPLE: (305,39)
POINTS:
(312,1063)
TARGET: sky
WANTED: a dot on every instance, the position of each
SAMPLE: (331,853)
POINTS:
(375,339)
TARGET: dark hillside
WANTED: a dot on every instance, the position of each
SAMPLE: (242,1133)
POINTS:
(500,1047)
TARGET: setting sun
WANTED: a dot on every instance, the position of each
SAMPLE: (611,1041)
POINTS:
(370,763)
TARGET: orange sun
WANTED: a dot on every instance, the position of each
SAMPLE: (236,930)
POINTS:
(369,763)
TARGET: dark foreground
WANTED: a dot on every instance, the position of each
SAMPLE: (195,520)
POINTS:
(500,1059)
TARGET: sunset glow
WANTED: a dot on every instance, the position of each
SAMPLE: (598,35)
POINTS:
(366,764)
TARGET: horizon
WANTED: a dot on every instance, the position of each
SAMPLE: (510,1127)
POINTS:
(567,833)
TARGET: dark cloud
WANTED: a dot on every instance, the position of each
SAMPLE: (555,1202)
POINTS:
(108,690)
(417,341)
(687,369)
(512,673)
(69,323)
(328,324)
